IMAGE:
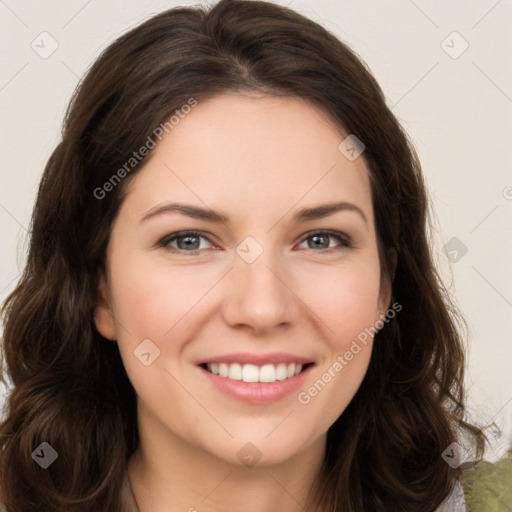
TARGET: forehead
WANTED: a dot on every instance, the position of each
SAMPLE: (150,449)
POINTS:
(250,153)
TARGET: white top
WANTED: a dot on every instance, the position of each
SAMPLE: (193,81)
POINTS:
(455,502)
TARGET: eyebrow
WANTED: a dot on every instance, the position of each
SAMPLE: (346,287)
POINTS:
(305,214)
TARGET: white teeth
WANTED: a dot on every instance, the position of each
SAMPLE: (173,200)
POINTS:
(268,373)
(223,369)
(250,373)
(235,372)
(281,371)
(253,373)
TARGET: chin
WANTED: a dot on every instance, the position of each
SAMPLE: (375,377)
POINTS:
(258,451)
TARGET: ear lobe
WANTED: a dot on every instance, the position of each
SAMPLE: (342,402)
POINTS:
(103,315)
(384,304)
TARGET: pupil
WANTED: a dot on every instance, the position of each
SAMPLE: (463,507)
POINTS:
(316,237)
(187,241)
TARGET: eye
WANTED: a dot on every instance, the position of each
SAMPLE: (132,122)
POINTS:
(321,240)
(185,240)
(190,241)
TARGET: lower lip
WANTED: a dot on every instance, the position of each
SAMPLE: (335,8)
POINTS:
(257,392)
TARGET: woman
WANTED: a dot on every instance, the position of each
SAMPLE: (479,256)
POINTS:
(303,356)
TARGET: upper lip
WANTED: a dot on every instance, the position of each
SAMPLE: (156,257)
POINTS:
(257,359)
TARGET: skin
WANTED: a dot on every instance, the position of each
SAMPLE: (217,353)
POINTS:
(258,159)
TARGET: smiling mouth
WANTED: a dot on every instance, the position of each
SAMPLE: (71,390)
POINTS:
(266,373)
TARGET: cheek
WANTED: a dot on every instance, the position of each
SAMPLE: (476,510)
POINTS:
(345,300)
(152,299)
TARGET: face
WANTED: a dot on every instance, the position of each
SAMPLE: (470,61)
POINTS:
(239,327)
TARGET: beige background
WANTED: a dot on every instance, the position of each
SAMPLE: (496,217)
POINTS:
(455,102)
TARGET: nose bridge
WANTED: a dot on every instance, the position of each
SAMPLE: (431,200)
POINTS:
(259,296)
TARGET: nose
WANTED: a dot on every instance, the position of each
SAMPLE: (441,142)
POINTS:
(259,295)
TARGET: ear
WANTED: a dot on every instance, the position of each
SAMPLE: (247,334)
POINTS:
(103,314)
(386,287)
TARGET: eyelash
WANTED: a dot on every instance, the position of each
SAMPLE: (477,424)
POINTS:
(346,242)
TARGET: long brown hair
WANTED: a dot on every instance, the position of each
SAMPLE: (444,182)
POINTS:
(69,385)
